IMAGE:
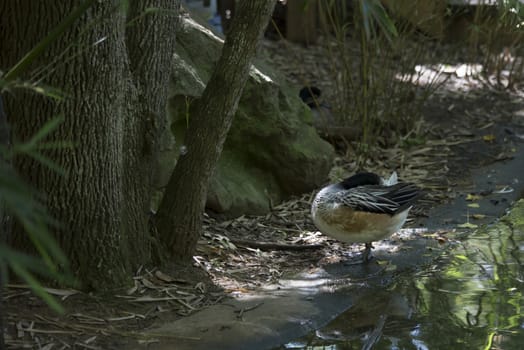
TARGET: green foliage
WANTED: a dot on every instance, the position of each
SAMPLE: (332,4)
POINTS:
(372,12)
(23,204)
(24,63)
(496,34)
(374,59)
(18,200)
(35,145)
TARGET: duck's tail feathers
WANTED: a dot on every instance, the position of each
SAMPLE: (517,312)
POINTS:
(393,179)
(405,195)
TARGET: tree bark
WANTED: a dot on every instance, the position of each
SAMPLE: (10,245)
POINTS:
(179,217)
(87,200)
(151,44)
(116,81)
(4,142)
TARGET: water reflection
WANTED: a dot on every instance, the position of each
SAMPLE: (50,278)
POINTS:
(472,298)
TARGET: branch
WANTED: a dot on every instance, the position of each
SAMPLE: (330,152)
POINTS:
(274,246)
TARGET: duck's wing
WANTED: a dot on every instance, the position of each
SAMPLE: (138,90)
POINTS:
(404,194)
(380,199)
(393,179)
(365,199)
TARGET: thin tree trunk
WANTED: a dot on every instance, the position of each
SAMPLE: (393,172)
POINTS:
(151,44)
(179,217)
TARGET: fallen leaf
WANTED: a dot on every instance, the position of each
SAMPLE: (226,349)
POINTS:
(489,138)
(462,257)
(90,340)
(123,318)
(441,240)
(473,205)
(163,277)
(133,289)
(467,225)
(473,197)
(478,216)
(63,293)
(148,284)
(147,298)
(505,189)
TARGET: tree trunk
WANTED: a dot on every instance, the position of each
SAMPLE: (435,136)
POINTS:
(151,44)
(179,217)
(4,142)
(102,203)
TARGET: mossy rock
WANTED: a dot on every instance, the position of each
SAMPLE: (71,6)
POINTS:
(272,150)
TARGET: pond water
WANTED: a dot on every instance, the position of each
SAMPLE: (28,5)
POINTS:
(471,297)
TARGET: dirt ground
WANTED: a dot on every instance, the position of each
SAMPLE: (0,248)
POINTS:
(465,125)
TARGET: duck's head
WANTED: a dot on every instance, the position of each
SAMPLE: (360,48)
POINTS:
(361,179)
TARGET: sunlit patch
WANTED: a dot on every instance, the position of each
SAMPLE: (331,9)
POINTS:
(191,22)
(428,74)
(407,233)
(259,75)
(304,285)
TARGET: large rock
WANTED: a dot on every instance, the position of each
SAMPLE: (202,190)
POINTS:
(271,152)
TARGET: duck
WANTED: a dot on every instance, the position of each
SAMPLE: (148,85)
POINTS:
(364,208)
(322,114)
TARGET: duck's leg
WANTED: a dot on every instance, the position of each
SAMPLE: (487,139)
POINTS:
(366,256)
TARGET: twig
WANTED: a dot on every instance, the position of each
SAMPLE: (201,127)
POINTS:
(180,301)
(274,246)
(246,309)
(46,331)
(87,346)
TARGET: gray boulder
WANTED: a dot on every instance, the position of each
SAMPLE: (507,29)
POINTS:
(272,150)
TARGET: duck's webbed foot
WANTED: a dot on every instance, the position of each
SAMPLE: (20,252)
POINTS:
(364,258)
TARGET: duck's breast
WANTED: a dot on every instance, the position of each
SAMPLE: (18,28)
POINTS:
(348,225)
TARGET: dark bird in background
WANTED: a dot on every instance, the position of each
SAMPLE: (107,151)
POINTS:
(363,208)
(322,116)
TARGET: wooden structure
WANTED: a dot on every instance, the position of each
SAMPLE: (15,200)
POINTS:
(301,21)
(426,15)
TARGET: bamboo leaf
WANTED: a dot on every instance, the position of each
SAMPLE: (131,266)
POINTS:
(46,161)
(22,202)
(44,131)
(45,90)
(373,10)
(53,35)
(36,287)
(56,145)
(25,260)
